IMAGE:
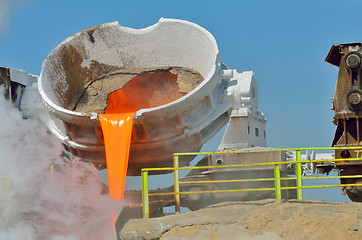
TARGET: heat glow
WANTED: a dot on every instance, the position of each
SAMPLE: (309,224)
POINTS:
(144,91)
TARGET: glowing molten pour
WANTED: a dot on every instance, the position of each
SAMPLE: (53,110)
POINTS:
(117,130)
(144,91)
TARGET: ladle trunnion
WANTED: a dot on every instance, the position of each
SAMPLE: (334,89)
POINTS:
(81,68)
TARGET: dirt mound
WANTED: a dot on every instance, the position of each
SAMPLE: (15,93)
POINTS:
(265,219)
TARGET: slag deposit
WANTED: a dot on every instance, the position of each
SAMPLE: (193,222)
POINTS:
(93,96)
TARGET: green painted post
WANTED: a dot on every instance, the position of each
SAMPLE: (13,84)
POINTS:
(145,201)
(7,185)
(51,167)
(278,191)
(299,174)
(176,183)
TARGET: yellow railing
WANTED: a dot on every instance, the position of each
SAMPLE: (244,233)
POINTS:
(277,179)
(7,184)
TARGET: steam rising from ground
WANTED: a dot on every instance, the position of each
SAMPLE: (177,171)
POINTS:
(5,9)
(65,204)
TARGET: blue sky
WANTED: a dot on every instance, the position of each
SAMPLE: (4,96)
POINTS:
(284,42)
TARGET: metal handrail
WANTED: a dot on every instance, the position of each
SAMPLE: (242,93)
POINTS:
(7,183)
(277,179)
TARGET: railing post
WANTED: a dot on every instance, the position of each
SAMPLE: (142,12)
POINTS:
(51,167)
(298,166)
(176,183)
(278,191)
(7,185)
(145,202)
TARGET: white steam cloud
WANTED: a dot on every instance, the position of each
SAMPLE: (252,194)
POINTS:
(35,203)
(5,9)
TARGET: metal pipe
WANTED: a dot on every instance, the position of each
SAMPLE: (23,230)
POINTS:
(298,166)
(255,164)
(330,177)
(145,200)
(176,183)
(278,192)
(228,181)
(257,189)
(326,186)
(7,184)
(267,179)
(266,150)
(215,191)
(51,167)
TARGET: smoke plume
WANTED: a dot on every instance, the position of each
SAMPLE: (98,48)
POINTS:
(37,203)
(5,12)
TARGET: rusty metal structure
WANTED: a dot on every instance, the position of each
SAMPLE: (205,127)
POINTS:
(347,105)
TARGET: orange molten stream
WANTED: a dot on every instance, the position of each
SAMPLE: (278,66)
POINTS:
(117,129)
(144,91)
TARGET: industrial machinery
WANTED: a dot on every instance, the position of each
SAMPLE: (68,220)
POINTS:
(108,57)
(347,105)
(94,55)
(91,64)
(103,54)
